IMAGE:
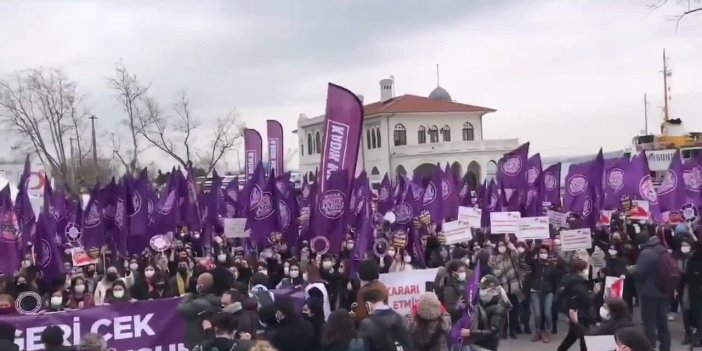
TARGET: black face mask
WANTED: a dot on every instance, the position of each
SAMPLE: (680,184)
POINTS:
(111,276)
(183,270)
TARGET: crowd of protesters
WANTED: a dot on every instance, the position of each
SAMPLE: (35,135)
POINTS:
(228,301)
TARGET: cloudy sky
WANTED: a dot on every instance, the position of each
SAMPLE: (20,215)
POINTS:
(569,76)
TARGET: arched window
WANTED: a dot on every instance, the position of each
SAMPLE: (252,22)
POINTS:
(310,147)
(433,134)
(468,134)
(373,139)
(317,143)
(400,135)
(368,139)
(377,136)
(302,149)
(421,135)
(446,133)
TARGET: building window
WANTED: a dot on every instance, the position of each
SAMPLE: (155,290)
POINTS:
(368,139)
(446,133)
(310,147)
(373,143)
(377,136)
(400,135)
(468,134)
(317,143)
(433,134)
(422,135)
(302,149)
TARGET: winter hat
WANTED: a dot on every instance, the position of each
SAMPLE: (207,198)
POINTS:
(429,306)
(488,281)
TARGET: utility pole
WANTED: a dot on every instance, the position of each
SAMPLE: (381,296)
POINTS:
(95,160)
(73,168)
(666,73)
(645,114)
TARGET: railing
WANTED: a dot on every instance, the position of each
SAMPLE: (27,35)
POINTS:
(502,145)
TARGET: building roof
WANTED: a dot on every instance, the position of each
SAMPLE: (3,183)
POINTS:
(440,93)
(412,103)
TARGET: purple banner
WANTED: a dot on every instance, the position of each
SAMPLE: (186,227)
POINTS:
(342,133)
(552,184)
(276,151)
(143,325)
(252,149)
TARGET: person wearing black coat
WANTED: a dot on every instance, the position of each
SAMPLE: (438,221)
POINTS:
(543,280)
(615,315)
(690,291)
(292,333)
(576,295)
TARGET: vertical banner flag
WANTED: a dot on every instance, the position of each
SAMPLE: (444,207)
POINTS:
(613,182)
(671,193)
(9,235)
(276,151)
(638,183)
(511,172)
(342,133)
(252,149)
(552,184)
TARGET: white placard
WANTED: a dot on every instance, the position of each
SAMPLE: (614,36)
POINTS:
(640,210)
(531,228)
(470,216)
(601,342)
(557,219)
(234,228)
(404,288)
(504,222)
(576,239)
(456,232)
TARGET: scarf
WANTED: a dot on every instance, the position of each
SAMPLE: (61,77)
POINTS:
(182,283)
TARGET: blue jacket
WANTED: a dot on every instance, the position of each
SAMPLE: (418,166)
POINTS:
(647,267)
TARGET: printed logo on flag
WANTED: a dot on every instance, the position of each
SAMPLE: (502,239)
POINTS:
(46,253)
(404,213)
(73,232)
(283,215)
(265,206)
(337,137)
(136,203)
(532,174)
(587,207)
(693,179)
(383,194)
(93,218)
(550,181)
(109,212)
(10,232)
(429,194)
(255,197)
(416,192)
(250,162)
(150,206)
(577,184)
(670,181)
(615,179)
(445,189)
(690,213)
(168,204)
(512,166)
(332,204)
(647,191)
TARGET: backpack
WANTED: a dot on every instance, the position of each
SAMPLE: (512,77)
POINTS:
(263,298)
(669,274)
(389,340)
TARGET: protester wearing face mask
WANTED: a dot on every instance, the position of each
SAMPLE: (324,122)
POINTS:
(145,283)
(578,297)
(292,332)
(690,291)
(453,291)
(402,262)
(108,280)
(223,277)
(313,312)
(315,281)
(368,273)
(504,266)
(79,296)
(542,288)
(293,278)
(179,283)
(331,278)
(614,314)
(56,301)
(491,315)
(118,293)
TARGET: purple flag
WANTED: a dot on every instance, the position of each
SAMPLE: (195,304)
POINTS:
(466,321)
(9,235)
(166,212)
(533,206)
(261,215)
(214,199)
(386,200)
(48,256)
(692,176)
(121,232)
(576,183)
(363,225)
(533,169)
(276,151)
(433,200)
(342,134)
(192,211)
(638,184)
(512,168)
(252,149)
(93,225)
(287,210)
(408,208)
(138,206)
(328,220)
(613,182)
(489,203)
(552,184)
(465,198)
(449,192)
(23,207)
(231,199)
(590,213)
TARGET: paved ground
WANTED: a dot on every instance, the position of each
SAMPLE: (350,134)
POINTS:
(523,343)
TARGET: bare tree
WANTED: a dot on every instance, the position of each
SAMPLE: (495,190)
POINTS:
(42,106)
(130,93)
(687,7)
(174,134)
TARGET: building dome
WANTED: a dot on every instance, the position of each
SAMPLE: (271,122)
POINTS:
(441,94)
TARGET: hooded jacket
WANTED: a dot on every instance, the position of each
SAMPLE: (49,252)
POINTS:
(647,266)
(194,309)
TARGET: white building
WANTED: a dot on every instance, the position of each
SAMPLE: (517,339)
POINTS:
(406,133)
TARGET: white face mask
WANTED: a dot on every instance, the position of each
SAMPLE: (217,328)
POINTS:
(391,253)
(349,246)
(466,260)
(408,259)
(264,271)
(149,274)
(612,252)
(294,273)
(462,276)
(326,264)
(221,258)
(286,270)
(557,242)
(56,301)
(685,249)
(304,276)
(26,263)
(521,250)
(80,288)
(133,266)
(118,293)
(501,249)
(218,240)
(604,313)
(543,256)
